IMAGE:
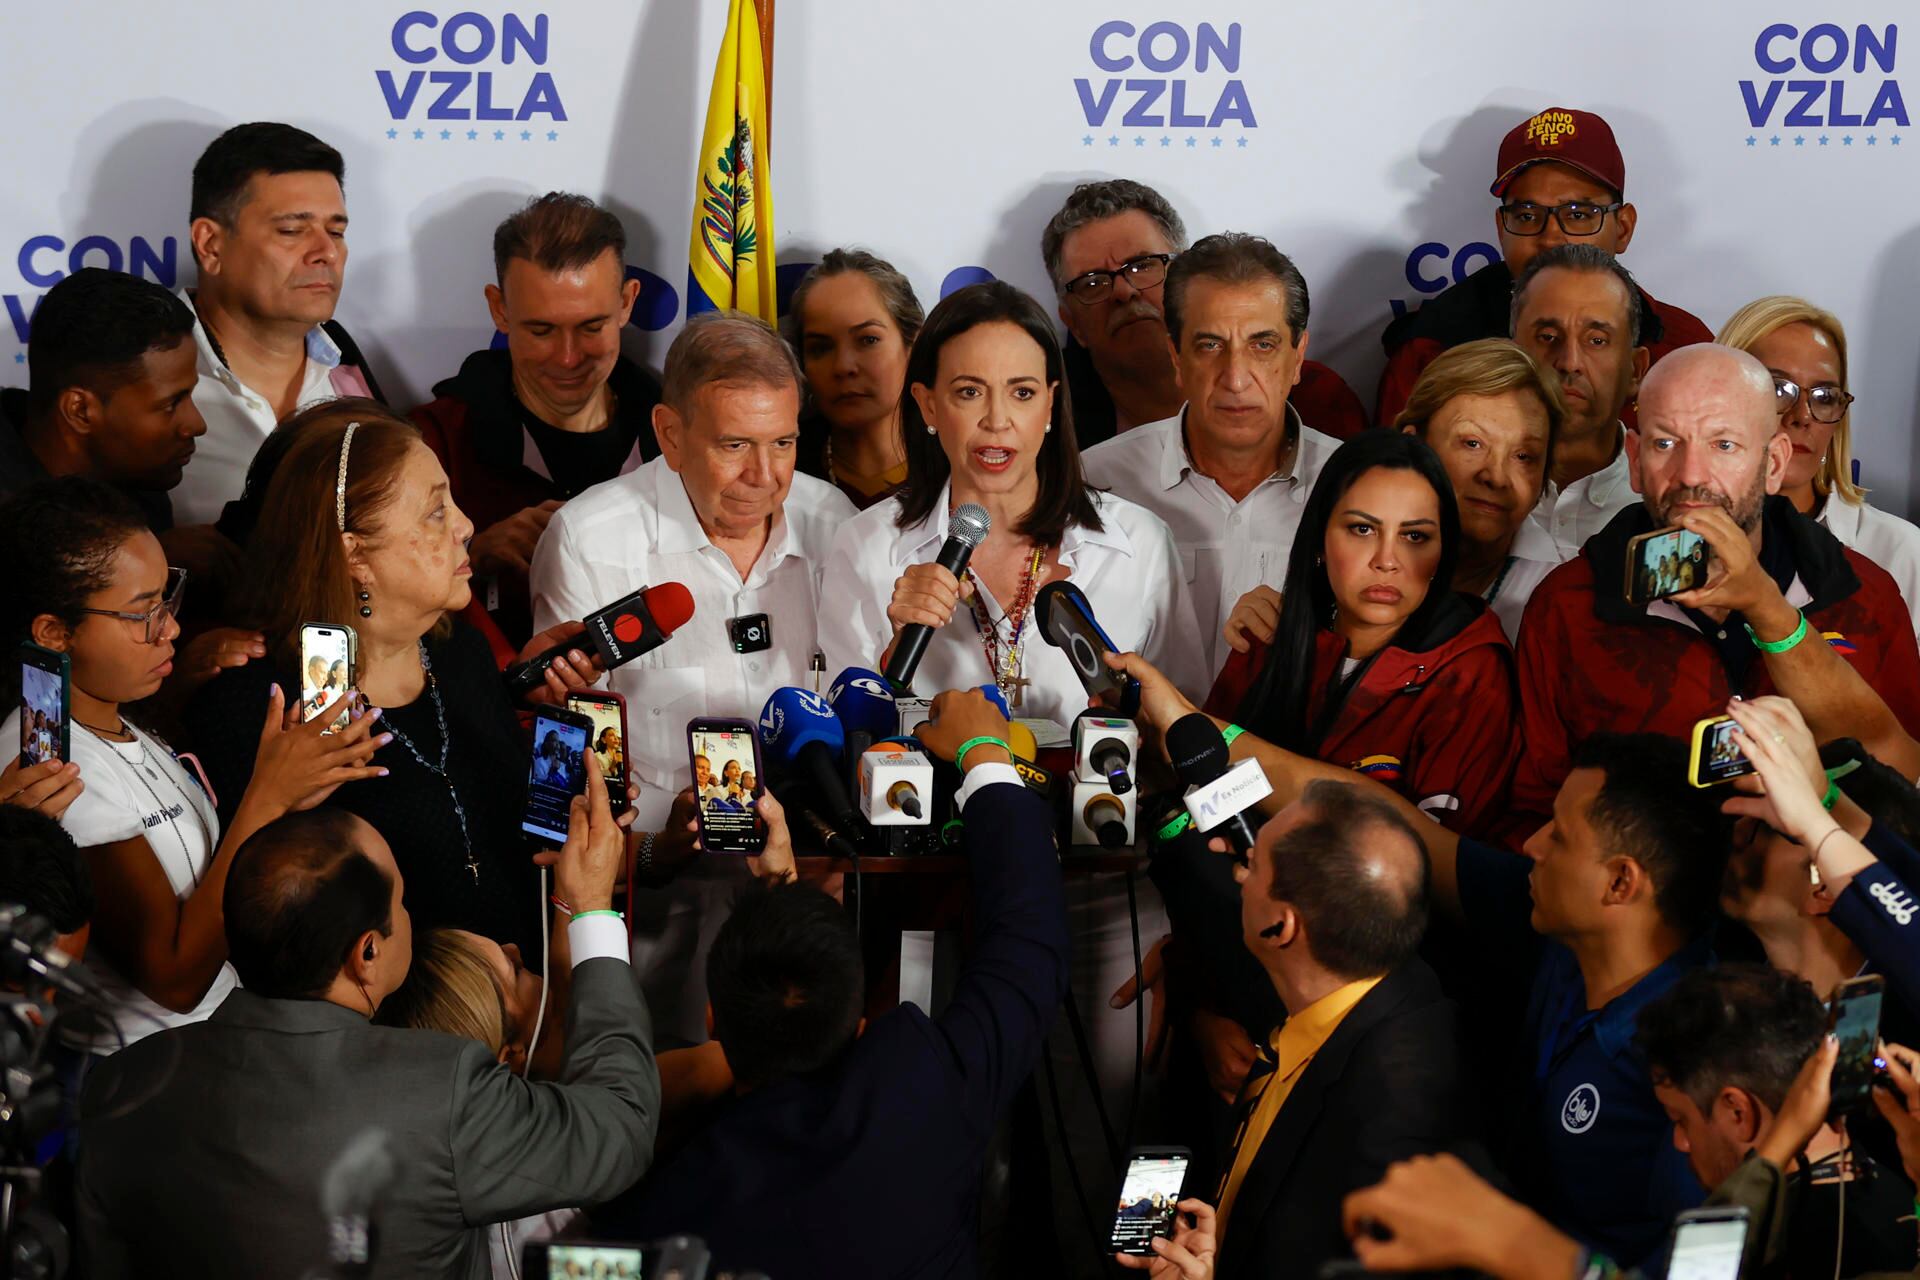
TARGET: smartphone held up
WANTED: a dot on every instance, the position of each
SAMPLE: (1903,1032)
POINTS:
(45,700)
(329,656)
(1665,563)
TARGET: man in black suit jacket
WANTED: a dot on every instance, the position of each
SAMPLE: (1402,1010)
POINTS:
(208,1150)
(1365,1071)
(850,1152)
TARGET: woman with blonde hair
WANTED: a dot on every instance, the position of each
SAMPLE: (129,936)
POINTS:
(1805,348)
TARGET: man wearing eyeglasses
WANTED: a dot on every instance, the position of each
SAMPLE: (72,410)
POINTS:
(1107,251)
(1560,179)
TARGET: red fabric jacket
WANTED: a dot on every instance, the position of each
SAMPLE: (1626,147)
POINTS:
(474,426)
(1478,307)
(1438,724)
(1592,663)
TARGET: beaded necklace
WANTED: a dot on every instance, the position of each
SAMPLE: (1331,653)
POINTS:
(440,770)
(1006,675)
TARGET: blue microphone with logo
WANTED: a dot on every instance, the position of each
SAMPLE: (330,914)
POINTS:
(801,740)
(865,705)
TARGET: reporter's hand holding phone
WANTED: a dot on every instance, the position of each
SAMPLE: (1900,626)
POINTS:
(1189,1254)
(775,861)
(1736,580)
(299,764)
(958,716)
(1900,1105)
(1792,784)
(48,787)
(1255,617)
(586,866)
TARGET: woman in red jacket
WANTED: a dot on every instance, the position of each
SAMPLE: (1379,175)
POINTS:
(1377,663)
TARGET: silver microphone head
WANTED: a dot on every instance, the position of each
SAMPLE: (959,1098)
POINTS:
(970,524)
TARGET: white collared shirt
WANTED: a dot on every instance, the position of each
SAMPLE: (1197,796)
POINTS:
(1227,548)
(238,420)
(1887,540)
(1572,515)
(640,530)
(1129,571)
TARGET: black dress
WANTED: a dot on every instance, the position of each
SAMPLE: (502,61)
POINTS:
(411,807)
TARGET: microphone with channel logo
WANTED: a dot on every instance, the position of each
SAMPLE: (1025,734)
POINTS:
(1220,794)
(966,530)
(803,746)
(619,633)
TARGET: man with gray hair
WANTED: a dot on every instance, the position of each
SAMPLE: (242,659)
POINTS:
(722,512)
(1577,311)
(1107,252)
(1785,608)
(1230,472)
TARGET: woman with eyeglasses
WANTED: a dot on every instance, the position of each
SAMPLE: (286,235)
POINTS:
(1805,348)
(87,579)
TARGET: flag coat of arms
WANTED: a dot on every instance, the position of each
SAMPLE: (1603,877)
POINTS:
(730,257)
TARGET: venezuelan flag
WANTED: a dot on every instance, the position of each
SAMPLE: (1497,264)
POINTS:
(730,257)
(1380,768)
(1839,642)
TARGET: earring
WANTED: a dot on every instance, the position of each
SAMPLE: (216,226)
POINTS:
(932,430)
(366,610)
(1048,431)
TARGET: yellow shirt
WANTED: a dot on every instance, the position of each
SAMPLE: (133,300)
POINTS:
(1293,1047)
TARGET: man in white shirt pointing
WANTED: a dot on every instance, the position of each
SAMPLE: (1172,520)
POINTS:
(1229,473)
(722,512)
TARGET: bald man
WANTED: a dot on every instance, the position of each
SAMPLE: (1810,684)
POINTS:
(1333,905)
(1786,609)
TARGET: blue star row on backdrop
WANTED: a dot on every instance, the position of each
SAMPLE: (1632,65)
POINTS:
(471,135)
(1802,140)
(1166,140)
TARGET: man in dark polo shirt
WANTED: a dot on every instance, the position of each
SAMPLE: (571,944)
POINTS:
(1560,179)
(1107,251)
(1786,609)
(111,363)
(523,429)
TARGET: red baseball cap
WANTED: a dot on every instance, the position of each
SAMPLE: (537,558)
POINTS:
(1578,139)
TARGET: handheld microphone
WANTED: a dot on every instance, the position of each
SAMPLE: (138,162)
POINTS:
(1101,817)
(28,955)
(801,736)
(1104,747)
(895,786)
(349,1190)
(619,633)
(966,530)
(1219,793)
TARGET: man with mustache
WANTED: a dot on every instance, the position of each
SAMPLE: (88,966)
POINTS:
(1230,471)
(1577,311)
(1107,252)
(269,233)
(1784,609)
(1560,180)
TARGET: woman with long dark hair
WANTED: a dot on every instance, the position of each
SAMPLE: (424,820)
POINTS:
(987,421)
(1377,662)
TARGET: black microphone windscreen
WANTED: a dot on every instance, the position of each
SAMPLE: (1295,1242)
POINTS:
(1197,749)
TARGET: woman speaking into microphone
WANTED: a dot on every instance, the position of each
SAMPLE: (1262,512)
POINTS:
(986,421)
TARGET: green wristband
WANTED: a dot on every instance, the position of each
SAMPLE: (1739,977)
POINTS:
(960,756)
(1231,732)
(1832,797)
(1180,822)
(1779,646)
(582,915)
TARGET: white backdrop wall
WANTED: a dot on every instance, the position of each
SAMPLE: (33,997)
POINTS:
(1766,152)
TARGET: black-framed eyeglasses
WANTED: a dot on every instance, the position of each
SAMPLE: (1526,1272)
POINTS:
(167,606)
(1825,403)
(1576,217)
(1142,272)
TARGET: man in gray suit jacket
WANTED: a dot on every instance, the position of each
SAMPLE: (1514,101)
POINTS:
(206,1148)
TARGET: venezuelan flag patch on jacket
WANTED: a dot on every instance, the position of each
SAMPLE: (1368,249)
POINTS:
(1838,641)
(1379,768)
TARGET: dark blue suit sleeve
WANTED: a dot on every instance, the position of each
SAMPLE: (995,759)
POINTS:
(1012,983)
(1880,913)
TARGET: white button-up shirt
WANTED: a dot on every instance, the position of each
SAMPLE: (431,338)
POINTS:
(640,530)
(1129,571)
(240,418)
(1887,540)
(1572,515)
(1227,548)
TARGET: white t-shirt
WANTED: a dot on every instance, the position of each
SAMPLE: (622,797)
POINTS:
(138,788)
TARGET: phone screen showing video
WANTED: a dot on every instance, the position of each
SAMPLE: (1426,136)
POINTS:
(609,745)
(1668,563)
(326,673)
(1148,1198)
(1856,1023)
(1721,759)
(727,787)
(556,774)
(592,1262)
(43,715)
(1708,1250)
